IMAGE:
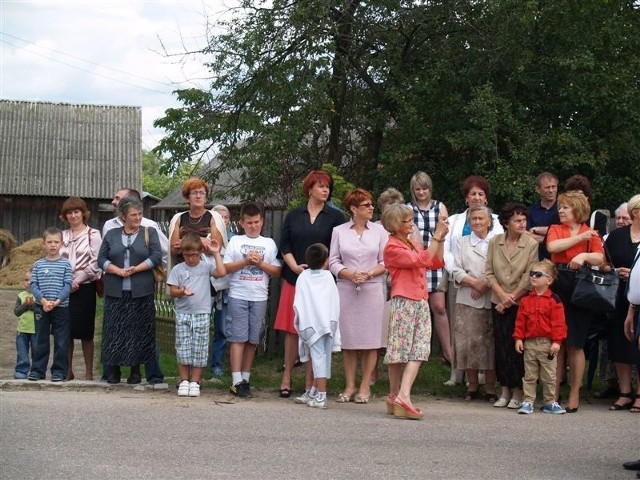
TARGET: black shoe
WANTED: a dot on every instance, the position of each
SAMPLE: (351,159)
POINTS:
(632,465)
(241,389)
(114,375)
(155,380)
(134,379)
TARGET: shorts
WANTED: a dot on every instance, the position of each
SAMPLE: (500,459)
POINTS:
(192,339)
(321,356)
(245,320)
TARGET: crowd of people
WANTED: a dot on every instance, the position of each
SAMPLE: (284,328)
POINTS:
(498,287)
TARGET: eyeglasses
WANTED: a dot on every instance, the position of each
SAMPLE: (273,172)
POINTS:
(366,205)
(195,193)
(537,274)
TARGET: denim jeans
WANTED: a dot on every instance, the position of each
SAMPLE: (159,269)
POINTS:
(219,338)
(152,368)
(57,323)
(25,345)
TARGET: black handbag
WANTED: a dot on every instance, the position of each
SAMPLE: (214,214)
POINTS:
(595,290)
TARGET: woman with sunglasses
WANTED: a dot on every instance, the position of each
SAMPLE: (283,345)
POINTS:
(571,245)
(509,259)
(356,261)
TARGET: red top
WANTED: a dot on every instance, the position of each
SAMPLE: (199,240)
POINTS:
(407,268)
(541,316)
(560,232)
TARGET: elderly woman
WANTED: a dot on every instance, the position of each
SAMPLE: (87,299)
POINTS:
(127,256)
(311,223)
(356,261)
(426,212)
(475,190)
(389,197)
(204,223)
(80,245)
(622,246)
(472,325)
(409,342)
(509,257)
(571,245)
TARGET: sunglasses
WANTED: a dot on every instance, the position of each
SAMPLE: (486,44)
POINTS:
(537,274)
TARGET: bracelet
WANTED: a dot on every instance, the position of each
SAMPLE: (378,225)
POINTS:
(437,239)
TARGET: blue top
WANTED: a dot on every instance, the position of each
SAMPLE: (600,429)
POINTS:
(51,279)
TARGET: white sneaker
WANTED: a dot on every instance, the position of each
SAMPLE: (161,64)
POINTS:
(314,403)
(502,402)
(194,389)
(304,398)
(514,404)
(183,388)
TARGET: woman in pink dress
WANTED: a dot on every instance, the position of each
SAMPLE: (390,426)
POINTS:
(356,261)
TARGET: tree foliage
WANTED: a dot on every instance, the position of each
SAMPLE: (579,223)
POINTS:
(156,180)
(381,89)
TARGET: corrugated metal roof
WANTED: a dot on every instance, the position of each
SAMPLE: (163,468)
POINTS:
(62,150)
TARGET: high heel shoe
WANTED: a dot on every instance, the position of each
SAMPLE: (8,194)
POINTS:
(403,410)
(389,401)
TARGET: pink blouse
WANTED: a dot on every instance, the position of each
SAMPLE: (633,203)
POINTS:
(82,253)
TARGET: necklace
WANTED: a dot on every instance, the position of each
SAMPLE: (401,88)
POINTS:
(128,234)
(195,220)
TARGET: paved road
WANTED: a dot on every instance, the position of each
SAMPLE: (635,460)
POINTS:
(71,432)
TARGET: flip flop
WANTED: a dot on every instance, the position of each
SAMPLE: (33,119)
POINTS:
(361,398)
(344,398)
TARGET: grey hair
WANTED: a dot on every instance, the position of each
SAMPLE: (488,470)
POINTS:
(127,203)
(623,206)
(477,208)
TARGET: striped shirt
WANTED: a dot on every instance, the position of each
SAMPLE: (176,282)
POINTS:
(51,279)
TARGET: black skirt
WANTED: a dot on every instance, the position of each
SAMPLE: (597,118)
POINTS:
(82,311)
(128,330)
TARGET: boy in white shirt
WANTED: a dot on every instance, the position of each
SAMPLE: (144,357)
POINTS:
(189,284)
(250,261)
(317,310)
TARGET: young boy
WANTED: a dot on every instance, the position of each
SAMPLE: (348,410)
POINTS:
(25,339)
(250,260)
(51,279)
(317,310)
(189,285)
(540,329)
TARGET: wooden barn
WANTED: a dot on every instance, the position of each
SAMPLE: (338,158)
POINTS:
(52,151)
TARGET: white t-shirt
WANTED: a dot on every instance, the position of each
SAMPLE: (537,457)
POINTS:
(250,282)
(633,294)
(197,280)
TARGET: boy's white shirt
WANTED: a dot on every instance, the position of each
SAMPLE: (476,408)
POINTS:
(317,309)
(250,282)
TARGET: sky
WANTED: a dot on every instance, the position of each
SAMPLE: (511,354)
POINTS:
(104,52)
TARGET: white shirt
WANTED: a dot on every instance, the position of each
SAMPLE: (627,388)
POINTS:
(633,293)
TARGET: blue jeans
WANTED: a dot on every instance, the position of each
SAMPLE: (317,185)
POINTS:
(57,323)
(219,337)
(25,343)
(152,368)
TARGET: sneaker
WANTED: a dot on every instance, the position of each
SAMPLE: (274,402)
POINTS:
(514,404)
(554,408)
(315,403)
(194,389)
(33,376)
(57,378)
(526,408)
(241,389)
(183,388)
(304,398)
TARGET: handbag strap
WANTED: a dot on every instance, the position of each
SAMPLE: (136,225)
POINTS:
(604,246)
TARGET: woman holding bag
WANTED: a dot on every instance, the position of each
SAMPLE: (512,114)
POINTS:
(571,245)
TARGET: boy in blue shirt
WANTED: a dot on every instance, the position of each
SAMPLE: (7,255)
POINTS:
(51,279)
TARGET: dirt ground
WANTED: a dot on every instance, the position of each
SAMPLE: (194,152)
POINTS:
(8,322)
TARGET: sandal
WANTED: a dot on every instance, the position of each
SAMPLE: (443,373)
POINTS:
(344,398)
(491,397)
(635,408)
(627,406)
(361,398)
(285,392)
(469,395)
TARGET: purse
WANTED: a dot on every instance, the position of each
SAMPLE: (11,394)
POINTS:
(596,290)
(159,274)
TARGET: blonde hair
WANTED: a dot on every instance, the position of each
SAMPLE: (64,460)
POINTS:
(394,215)
(547,267)
(633,206)
(578,203)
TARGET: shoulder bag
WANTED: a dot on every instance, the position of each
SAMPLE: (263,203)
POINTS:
(596,290)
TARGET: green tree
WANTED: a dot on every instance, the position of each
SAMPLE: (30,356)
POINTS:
(156,181)
(380,89)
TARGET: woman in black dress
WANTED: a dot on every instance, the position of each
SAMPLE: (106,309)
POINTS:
(622,245)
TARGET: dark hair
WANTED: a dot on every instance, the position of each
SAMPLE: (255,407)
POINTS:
(50,231)
(71,204)
(578,182)
(190,241)
(509,210)
(132,192)
(314,177)
(475,181)
(250,210)
(316,255)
